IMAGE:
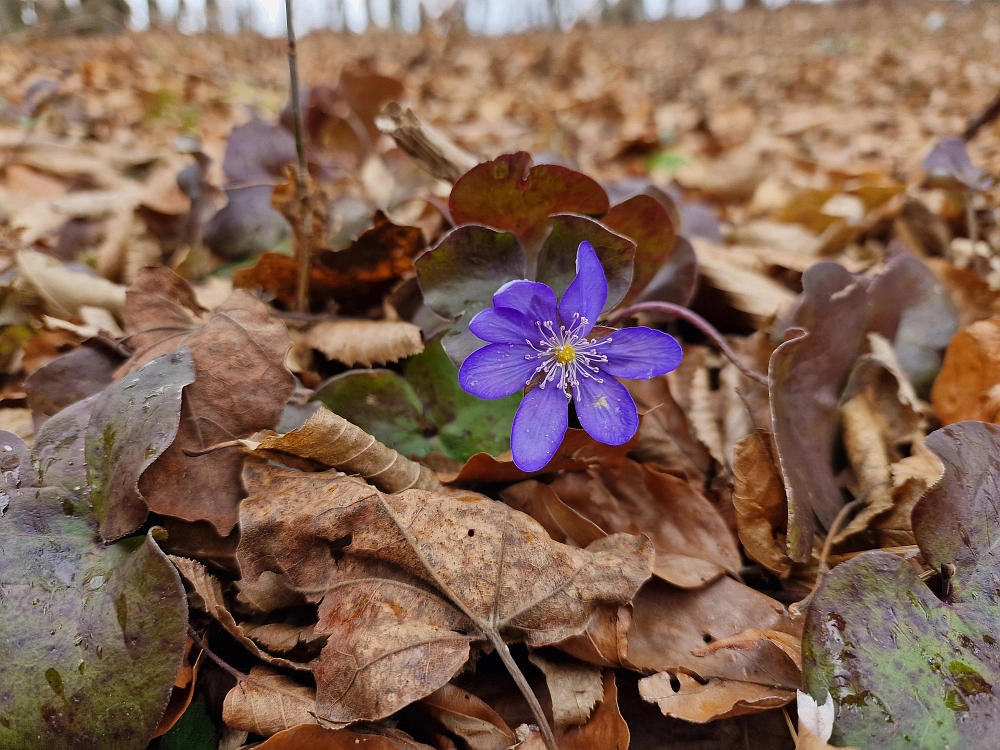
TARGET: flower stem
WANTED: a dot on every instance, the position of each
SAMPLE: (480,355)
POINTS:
(677,311)
(522,684)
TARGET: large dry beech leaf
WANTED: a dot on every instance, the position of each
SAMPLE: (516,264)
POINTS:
(93,634)
(241,387)
(407,582)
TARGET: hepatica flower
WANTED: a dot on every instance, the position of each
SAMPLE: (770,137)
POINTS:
(533,340)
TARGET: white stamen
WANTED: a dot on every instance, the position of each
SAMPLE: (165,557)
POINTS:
(553,348)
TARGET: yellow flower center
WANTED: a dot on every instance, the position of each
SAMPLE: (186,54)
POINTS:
(565,354)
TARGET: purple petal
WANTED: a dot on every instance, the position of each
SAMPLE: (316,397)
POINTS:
(532,298)
(497,370)
(640,353)
(588,292)
(606,410)
(539,427)
(502,325)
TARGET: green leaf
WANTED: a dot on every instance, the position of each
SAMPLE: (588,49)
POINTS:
(557,259)
(423,411)
(509,193)
(193,731)
(906,668)
(460,275)
(93,634)
(134,420)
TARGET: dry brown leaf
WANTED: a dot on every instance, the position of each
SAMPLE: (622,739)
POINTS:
(241,386)
(561,522)
(683,697)
(183,690)
(208,589)
(574,687)
(605,641)
(644,499)
(670,626)
(282,638)
(968,386)
(397,597)
(62,290)
(462,713)
(315,737)
(606,730)
(268,703)
(365,342)
(331,440)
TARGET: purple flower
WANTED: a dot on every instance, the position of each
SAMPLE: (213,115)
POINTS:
(534,340)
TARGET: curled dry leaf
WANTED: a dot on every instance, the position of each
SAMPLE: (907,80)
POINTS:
(463,714)
(606,729)
(683,697)
(365,342)
(64,291)
(574,688)
(397,597)
(237,344)
(208,589)
(268,703)
(331,440)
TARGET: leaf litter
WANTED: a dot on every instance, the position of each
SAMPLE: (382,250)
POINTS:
(226,517)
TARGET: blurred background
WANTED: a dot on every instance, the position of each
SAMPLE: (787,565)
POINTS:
(267,17)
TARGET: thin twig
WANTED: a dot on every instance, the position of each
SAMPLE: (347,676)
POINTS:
(301,173)
(228,668)
(835,527)
(698,322)
(522,684)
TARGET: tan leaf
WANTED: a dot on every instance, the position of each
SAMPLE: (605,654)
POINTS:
(62,290)
(415,577)
(605,641)
(683,697)
(671,630)
(968,386)
(268,703)
(207,587)
(331,440)
(281,638)
(365,342)
(575,688)
(462,713)
(315,737)
(241,387)
(606,729)
(644,499)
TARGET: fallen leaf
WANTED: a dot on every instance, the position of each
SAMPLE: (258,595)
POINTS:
(121,445)
(331,440)
(268,703)
(365,342)
(643,499)
(70,378)
(209,591)
(968,386)
(684,697)
(366,670)
(112,629)
(463,714)
(63,290)
(238,343)
(315,737)
(574,689)
(876,635)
